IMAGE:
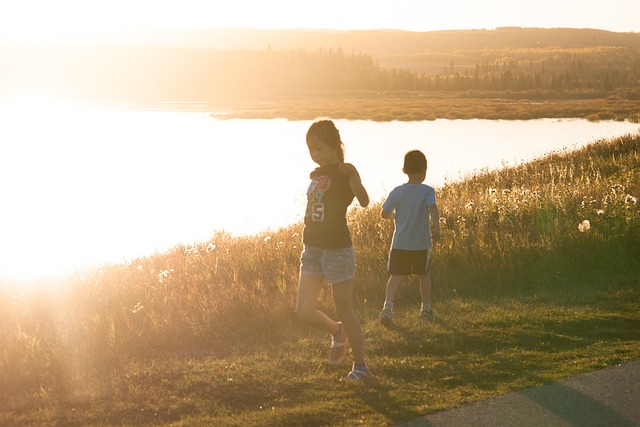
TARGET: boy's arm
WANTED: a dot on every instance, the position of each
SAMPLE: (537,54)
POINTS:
(434,213)
(388,215)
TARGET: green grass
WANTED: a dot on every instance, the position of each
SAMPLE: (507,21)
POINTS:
(206,334)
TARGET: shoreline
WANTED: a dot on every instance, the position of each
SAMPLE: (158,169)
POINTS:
(382,107)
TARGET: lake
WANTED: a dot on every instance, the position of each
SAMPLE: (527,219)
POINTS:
(85,186)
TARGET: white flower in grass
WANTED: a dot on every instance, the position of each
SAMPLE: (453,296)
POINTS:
(164,274)
(600,212)
(584,226)
(631,199)
(191,250)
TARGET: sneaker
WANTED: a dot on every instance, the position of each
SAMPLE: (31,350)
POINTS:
(385,317)
(338,345)
(427,315)
(358,373)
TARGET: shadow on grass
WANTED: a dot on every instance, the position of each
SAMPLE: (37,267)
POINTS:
(377,396)
(491,353)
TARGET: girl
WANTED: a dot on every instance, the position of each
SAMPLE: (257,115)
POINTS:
(328,253)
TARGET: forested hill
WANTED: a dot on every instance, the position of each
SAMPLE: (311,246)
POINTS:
(213,65)
(389,42)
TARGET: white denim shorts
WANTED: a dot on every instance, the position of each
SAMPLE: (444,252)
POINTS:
(335,265)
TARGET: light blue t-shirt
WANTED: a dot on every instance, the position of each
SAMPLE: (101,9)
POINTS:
(411,202)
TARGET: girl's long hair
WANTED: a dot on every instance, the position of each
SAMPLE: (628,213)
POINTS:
(327,132)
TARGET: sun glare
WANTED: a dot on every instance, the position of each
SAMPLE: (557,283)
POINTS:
(63,21)
(30,138)
(85,21)
(36,102)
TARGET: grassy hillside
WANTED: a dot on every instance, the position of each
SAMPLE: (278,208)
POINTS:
(536,278)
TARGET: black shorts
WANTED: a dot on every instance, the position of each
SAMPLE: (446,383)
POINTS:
(403,262)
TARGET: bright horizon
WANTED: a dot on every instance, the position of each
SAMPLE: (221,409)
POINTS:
(75,20)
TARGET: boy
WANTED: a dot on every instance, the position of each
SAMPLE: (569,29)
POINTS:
(411,205)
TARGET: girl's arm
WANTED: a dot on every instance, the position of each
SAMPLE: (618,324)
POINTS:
(355,183)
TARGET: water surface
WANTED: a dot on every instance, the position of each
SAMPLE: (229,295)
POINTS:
(86,186)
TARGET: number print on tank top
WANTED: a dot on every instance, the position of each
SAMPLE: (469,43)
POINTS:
(315,193)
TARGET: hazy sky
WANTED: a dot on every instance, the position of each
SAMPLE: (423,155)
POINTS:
(69,18)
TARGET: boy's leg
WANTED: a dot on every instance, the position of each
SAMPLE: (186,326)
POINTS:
(398,267)
(343,300)
(309,288)
(425,294)
(425,289)
(394,282)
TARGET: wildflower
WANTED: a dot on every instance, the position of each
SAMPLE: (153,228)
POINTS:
(266,239)
(600,212)
(164,274)
(584,226)
(191,250)
(211,247)
(631,199)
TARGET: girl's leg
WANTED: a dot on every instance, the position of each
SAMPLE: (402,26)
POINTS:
(343,300)
(309,288)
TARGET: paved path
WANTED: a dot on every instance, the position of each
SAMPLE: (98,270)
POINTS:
(609,397)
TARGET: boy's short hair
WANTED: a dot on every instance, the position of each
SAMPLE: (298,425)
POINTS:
(414,162)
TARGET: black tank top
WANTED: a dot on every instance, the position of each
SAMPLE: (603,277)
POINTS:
(328,197)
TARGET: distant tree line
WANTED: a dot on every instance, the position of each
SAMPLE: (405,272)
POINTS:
(151,74)
(599,70)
